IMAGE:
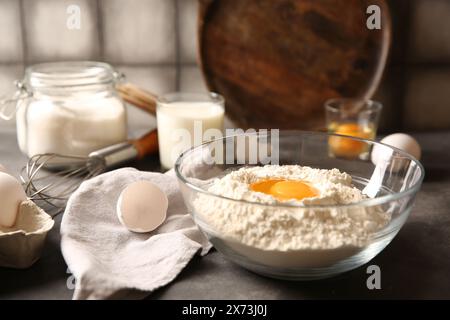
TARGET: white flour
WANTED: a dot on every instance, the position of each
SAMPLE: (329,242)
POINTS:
(290,236)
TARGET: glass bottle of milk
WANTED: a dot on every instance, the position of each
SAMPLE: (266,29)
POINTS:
(185,120)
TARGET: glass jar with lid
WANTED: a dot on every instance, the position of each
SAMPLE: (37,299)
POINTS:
(69,108)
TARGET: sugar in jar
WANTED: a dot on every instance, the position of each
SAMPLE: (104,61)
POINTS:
(69,108)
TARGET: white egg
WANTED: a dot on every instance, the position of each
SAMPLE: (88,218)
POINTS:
(11,195)
(142,207)
(401,141)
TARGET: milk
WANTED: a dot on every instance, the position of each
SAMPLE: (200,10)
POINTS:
(182,125)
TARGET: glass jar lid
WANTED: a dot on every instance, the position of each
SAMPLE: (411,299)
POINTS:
(69,74)
(59,78)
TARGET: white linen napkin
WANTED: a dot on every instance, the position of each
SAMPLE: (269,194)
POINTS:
(105,258)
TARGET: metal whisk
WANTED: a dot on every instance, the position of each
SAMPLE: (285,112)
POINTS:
(51,178)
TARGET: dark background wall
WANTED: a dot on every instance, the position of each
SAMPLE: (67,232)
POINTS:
(416,86)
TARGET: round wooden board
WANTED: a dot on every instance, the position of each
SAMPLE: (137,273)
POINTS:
(277,62)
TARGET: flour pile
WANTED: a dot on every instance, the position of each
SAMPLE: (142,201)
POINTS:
(272,225)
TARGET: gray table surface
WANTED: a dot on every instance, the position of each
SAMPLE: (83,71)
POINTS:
(415,265)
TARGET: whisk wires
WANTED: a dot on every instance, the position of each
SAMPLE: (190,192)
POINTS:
(51,178)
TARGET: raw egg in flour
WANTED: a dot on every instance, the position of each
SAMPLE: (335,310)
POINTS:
(283,189)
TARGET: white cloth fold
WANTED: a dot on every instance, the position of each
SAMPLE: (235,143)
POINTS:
(106,259)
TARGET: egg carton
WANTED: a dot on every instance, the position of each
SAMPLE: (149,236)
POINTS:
(22,244)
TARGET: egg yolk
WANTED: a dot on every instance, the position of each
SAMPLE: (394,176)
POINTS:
(348,147)
(285,189)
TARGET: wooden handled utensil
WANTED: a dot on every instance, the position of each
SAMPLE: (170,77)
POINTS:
(138,97)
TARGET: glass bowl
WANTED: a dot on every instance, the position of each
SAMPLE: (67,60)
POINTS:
(391,186)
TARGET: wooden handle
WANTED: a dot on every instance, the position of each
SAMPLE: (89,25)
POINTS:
(138,97)
(146,145)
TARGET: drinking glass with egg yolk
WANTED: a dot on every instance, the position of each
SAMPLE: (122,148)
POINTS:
(347,147)
(355,118)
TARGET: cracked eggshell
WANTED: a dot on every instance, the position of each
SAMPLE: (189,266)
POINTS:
(21,245)
(142,207)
